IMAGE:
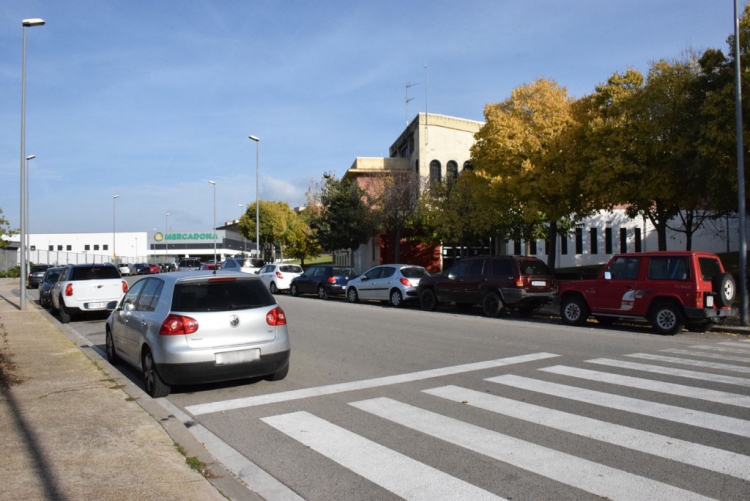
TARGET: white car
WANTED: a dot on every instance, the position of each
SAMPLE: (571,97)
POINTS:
(278,276)
(124,269)
(242,264)
(86,288)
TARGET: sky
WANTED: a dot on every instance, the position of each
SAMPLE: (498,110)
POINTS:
(152,99)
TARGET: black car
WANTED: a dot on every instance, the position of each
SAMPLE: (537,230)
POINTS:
(323,280)
(36,273)
(495,282)
(49,279)
(142,269)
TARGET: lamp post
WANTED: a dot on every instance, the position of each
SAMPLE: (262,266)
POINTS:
(26,223)
(166,230)
(214,235)
(257,199)
(114,249)
(26,24)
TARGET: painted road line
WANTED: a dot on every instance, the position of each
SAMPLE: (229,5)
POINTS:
(603,481)
(720,356)
(720,397)
(702,456)
(285,396)
(695,363)
(672,413)
(389,469)
(736,348)
(670,371)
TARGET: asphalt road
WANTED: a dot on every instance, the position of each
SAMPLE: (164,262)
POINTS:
(384,403)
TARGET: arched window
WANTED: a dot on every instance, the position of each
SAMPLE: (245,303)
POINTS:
(468,166)
(435,171)
(451,170)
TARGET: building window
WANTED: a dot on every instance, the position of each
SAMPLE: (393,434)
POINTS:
(33,247)
(51,247)
(532,245)
(564,244)
(68,247)
(637,239)
(87,247)
(594,243)
(608,240)
(59,247)
(468,166)
(105,247)
(517,247)
(451,170)
(624,240)
(96,247)
(435,172)
(579,240)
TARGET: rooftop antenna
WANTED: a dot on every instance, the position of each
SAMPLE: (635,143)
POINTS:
(408,99)
(425,104)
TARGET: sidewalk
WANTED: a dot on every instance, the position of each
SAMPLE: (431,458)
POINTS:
(70,431)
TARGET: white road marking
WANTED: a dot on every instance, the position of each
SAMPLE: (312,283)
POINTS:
(389,469)
(603,481)
(703,376)
(710,458)
(720,356)
(720,397)
(736,348)
(285,396)
(696,363)
(673,413)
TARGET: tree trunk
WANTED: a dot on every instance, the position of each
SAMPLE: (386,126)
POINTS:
(552,236)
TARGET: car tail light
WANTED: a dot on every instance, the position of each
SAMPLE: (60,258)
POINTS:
(519,282)
(331,280)
(124,286)
(178,324)
(276,317)
(69,290)
(279,275)
(405,281)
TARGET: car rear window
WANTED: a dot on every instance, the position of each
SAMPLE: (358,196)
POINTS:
(533,267)
(415,272)
(668,268)
(51,276)
(220,295)
(343,272)
(710,267)
(290,268)
(95,273)
(35,269)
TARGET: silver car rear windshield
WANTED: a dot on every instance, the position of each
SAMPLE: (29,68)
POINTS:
(220,295)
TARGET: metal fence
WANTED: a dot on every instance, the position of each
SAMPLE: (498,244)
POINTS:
(9,258)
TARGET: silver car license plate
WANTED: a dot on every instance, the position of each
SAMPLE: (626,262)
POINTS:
(237,357)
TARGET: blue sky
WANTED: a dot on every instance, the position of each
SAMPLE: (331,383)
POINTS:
(149,100)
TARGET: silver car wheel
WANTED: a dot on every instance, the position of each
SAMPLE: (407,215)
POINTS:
(396,298)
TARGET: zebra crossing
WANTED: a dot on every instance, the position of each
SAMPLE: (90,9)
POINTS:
(411,479)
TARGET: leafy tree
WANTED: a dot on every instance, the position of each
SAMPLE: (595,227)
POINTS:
(343,218)
(301,241)
(273,218)
(5,231)
(396,197)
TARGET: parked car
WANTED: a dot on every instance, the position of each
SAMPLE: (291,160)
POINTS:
(124,269)
(197,327)
(394,283)
(495,282)
(323,280)
(671,289)
(278,276)
(154,268)
(189,264)
(45,289)
(36,273)
(86,288)
(168,267)
(210,266)
(243,264)
(142,269)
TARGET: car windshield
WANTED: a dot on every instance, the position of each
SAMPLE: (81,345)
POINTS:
(414,272)
(95,273)
(220,295)
(51,276)
(343,272)
(290,268)
(533,267)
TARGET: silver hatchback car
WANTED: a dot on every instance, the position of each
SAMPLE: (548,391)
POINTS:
(197,327)
(394,283)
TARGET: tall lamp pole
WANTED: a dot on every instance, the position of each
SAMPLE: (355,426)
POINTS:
(214,235)
(114,249)
(166,230)
(740,172)
(26,223)
(257,199)
(26,24)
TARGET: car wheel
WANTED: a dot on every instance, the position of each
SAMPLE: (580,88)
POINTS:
(112,357)
(293,290)
(428,300)
(280,374)
(352,296)
(699,326)
(64,314)
(492,305)
(725,288)
(606,321)
(396,298)
(322,294)
(667,319)
(154,385)
(574,310)
(273,288)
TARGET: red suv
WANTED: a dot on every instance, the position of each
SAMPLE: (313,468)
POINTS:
(495,282)
(671,289)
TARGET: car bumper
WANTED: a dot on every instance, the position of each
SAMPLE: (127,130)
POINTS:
(209,372)
(522,298)
(709,313)
(335,290)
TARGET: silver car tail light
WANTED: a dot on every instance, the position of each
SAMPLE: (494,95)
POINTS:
(178,324)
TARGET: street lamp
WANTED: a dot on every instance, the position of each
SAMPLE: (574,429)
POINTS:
(26,223)
(214,235)
(257,199)
(166,230)
(26,24)
(114,249)
(244,244)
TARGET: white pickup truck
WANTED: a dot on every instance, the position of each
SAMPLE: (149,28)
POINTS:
(86,288)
